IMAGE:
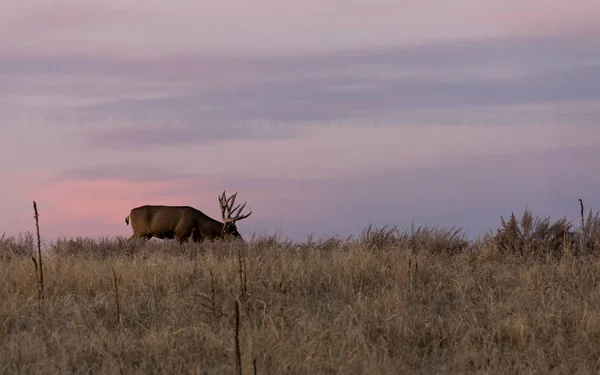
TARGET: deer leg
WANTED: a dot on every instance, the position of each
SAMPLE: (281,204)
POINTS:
(139,239)
(197,236)
(180,239)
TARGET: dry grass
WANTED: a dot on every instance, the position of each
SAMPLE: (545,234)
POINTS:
(387,302)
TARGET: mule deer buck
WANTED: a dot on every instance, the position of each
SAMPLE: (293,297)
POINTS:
(182,222)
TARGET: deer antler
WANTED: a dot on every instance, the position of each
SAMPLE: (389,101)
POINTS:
(223,204)
(226,204)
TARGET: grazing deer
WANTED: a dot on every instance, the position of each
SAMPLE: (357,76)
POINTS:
(182,222)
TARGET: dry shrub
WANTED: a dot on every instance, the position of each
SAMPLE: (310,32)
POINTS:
(435,240)
(322,244)
(90,247)
(107,247)
(265,241)
(423,240)
(590,233)
(535,237)
(374,238)
(20,246)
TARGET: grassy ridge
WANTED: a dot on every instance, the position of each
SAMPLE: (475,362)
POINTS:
(524,299)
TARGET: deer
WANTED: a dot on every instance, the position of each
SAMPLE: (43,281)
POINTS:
(184,222)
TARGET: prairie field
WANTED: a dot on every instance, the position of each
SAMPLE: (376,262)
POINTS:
(523,299)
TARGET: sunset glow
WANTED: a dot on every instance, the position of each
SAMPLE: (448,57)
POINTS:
(324,116)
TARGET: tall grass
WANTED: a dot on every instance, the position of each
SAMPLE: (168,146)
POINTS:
(424,300)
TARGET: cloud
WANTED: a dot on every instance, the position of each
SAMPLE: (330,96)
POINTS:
(141,136)
(69,16)
(449,83)
(123,28)
(490,55)
(326,151)
(468,72)
(132,173)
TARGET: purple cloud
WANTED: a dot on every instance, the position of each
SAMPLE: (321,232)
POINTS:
(440,83)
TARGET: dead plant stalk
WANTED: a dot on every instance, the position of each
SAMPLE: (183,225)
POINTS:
(40,276)
(117,296)
(238,354)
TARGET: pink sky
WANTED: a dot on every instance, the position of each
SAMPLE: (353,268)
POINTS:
(280,180)
(271,27)
(308,109)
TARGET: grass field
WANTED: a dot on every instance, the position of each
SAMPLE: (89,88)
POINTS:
(524,299)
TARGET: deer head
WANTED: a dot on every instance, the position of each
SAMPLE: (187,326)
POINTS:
(227,213)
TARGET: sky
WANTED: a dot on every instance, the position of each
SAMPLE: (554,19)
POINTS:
(325,116)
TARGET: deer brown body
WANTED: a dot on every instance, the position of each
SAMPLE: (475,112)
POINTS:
(184,222)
